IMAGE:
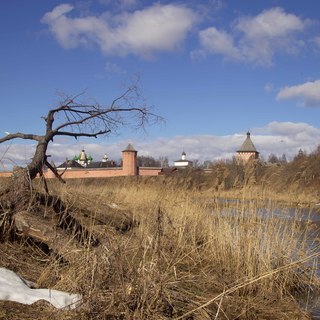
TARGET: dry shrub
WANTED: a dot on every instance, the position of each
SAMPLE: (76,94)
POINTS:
(184,259)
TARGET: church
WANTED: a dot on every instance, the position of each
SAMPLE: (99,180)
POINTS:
(183,162)
(84,160)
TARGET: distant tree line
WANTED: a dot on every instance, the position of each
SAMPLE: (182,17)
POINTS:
(302,172)
(148,161)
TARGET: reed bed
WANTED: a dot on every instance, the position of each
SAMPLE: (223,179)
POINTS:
(183,258)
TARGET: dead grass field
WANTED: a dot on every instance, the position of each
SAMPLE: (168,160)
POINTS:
(163,254)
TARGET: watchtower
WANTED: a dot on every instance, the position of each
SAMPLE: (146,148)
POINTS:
(247,151)
(129,161)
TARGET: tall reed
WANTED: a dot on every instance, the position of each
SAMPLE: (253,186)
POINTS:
(187,258)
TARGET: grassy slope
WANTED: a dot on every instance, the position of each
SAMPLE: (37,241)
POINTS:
(182,260)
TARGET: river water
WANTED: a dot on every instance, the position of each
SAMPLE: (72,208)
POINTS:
(312,216)
(309,216)
(306,216)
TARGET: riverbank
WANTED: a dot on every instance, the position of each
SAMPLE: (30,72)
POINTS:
(285,199)
(163,255)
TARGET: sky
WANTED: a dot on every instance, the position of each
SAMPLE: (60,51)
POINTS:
(212,69)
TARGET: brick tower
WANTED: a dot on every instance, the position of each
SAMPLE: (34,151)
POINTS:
(129,161)
(247,151)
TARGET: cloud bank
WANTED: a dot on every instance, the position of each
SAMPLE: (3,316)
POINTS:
(143,32)
(165,28)
(255,39)
(276,137)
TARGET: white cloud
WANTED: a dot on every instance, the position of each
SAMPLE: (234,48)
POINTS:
(290,136)
(15,155)
(307,93)
(289,129)
(143,32)
(58,12)
(272,23)
(256,39)
(220,42)
(276,137)
(287,138)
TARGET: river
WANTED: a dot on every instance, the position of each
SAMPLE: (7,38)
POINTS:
(306,217)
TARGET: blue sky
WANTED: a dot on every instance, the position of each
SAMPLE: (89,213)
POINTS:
(213,69)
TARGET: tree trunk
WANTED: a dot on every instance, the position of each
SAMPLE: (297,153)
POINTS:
(20,195)
(21,189)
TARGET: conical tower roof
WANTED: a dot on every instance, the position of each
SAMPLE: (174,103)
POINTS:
(129,148)
(247,145)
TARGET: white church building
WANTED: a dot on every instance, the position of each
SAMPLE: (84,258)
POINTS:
(183,162)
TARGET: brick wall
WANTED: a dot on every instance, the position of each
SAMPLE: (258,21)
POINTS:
(88,173)
(95,173)
(5,174)
(129,168)
(144,171)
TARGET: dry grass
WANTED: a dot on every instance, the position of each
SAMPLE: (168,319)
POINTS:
(184,259)
(296,182)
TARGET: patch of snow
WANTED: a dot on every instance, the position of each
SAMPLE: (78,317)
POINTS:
(15,288)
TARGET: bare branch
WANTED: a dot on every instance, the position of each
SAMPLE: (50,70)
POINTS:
(20,135)
(81,134)
(55,172)
(74,118)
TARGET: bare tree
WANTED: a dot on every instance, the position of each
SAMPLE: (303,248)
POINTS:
(148,161)
(273,158)
(74,119)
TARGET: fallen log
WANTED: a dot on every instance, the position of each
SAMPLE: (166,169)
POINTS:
(47,232)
